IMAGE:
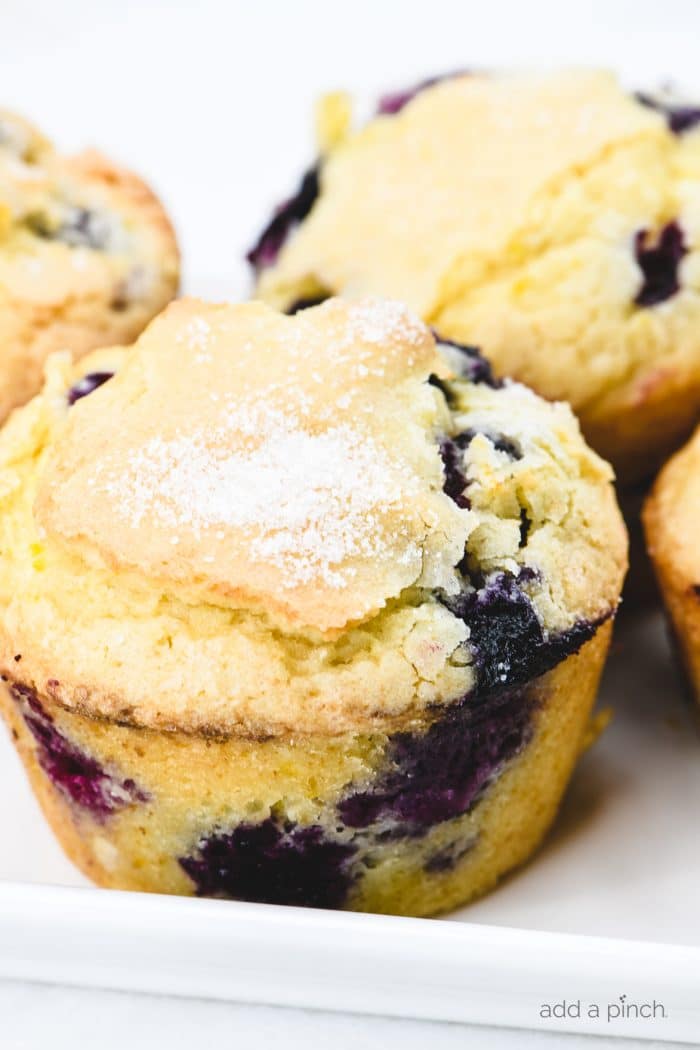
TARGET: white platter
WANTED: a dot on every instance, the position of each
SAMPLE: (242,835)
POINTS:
(212,102)
(607,909)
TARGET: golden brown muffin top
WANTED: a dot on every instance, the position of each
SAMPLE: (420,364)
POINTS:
(273,462)
(269,524)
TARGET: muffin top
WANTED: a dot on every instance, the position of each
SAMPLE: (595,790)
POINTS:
(551,219)
(272,524)
(87,255)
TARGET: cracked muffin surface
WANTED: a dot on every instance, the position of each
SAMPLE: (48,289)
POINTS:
(292,609)
(551,219)
(87,256)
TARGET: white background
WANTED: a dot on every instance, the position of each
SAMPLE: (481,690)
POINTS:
(212,102)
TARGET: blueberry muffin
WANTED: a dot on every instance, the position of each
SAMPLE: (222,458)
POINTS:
(87,256)
(553,220)
(291,611)
(670,522)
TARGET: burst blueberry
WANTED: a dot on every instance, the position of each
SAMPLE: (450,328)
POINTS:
(468,362)
(78,776)
(305,303)
(508,642)
(87,385)
(286,217)
(455,481)
(680,117)
(80,228)
(452,454)
(441,773)
(393,102)
(273,862)
(447,858)
(659,261)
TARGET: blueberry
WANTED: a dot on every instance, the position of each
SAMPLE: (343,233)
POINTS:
(84,229)
(81,228)
(679,117)
(443,386)
(448,857)
(467,361)
(682,118)
(510,645)
(525,526)
(286,217)
(441,773)
(273,862)
(395,101)
(78,776)
(428,776)
(659,261)
(499,441)
(305,303)
(86,385)
(455,482)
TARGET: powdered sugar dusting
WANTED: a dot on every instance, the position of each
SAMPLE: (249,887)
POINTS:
(196,336)
(307,503)
(376,320)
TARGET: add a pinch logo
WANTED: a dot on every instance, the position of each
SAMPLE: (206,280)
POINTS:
(618,1009)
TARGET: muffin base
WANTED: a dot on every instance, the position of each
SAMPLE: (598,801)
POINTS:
(669,523)
(135,848)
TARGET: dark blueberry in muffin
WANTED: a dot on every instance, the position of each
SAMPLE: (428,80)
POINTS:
(439,774)
(525,526)
(394,101)
(467,361)
(506,445)
(679,117)
(288,215)
(86,385)
(659,261)
(273,862)
(81,228)
(499,441)
(455,481)
(443,386)
(85,229)
(504,631)
(76,774)
(508,641)
(447,858)
(451,452)
(305,303)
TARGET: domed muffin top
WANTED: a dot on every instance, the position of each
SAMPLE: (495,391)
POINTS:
(552,219)
(450,180)
(260,524)
(87,255)
(68,221)
(281,463)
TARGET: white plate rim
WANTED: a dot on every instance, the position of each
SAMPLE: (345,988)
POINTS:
(430,969)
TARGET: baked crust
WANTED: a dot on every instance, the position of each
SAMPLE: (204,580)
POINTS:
(557,230)
(87,256)
(670,521)
(112,619)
